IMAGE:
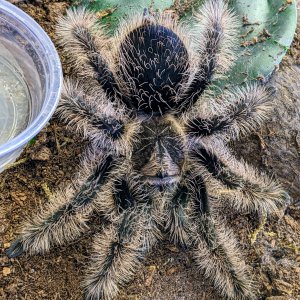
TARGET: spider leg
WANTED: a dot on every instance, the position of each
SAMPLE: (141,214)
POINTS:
(65,217)
(216,254)
(237,112)
(120,248)
(214,248)
(215,37)
(241,185)
(95,119)
(86,44)
(178,210)
(177,217)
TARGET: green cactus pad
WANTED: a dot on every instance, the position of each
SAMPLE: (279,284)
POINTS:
(267,29)
(267,33)
(111,11)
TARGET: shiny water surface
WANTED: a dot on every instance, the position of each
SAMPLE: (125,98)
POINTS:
(14,102)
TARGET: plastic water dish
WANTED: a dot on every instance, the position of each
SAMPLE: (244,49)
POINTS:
(31,80)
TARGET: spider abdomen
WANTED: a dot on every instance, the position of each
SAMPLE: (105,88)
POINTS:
(153,63)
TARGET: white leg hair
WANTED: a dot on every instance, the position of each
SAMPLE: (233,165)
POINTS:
(214,247)
(240,184)
(218,257)
(235,113)
(214,37)
(90,115)
(177,216)
(65,217)
(87,46)
(218,25)
(117,254)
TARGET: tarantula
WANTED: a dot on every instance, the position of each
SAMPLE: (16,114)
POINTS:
(157,163)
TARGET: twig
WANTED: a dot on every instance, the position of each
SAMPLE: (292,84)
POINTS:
(46,190)
(56,139)
(15,164)
(254,234)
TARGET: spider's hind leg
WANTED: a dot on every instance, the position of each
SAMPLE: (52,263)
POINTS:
(103,123)
(237,112)
(215,38)
(66,215)
(86,44)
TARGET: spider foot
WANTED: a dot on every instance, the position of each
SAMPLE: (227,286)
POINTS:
(87,296)
(15,250)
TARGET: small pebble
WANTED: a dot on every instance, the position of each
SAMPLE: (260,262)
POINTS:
(42,154)
(149,275)
(6,271)
(172,271)
(6,245)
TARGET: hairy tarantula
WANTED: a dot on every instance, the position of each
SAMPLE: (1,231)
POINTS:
(158,163)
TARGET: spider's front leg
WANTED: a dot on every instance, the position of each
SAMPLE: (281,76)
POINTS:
(121,246)
(117,254)
(239,183)
(177,224)
(218,257)
(179,211)
(214,248)
(67,213)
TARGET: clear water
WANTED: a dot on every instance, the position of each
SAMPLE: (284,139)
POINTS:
(14,102)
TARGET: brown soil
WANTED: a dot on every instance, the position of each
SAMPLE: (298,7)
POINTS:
(169,272)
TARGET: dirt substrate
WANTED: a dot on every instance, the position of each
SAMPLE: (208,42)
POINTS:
(169,272)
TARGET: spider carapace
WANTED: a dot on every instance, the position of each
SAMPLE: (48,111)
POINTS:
(159,154)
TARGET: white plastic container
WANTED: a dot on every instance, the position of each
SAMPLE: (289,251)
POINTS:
(33,56)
